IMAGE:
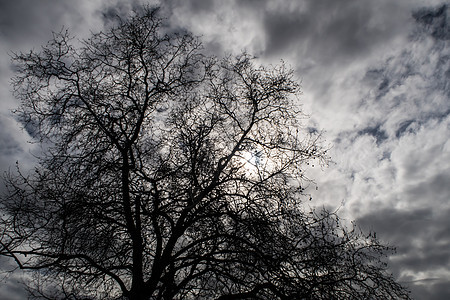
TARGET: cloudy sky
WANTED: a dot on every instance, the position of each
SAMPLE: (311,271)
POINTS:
(375,77)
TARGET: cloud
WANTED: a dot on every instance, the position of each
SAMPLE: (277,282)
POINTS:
(332,30)
(433,289)
(224,26)
(435,21)
(11,284)
(25,24)
(12,142)
(393,154)
(422,261)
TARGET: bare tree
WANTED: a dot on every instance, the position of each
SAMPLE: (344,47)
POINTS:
(168,174)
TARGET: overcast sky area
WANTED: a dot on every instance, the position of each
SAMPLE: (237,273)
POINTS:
(375,78)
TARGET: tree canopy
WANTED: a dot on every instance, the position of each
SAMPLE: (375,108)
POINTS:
(170,174)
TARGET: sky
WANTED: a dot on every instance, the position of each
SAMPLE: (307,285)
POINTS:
(375,81)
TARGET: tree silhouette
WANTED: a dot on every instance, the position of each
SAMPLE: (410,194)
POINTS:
(168,174)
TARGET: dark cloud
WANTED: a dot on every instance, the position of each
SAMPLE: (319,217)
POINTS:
(112,12)
(331,31)
(14,148)
(430,289)
(191,8)
(436,21)
(406,127)
(11,284)
(436,188)
(376,131)
(22,21)
(9,146)
(12,289)
(422,242)
(284,31)
(201,5)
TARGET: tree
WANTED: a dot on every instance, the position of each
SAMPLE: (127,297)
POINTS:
(168,174)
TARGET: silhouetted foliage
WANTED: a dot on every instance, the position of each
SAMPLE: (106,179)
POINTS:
(168,174)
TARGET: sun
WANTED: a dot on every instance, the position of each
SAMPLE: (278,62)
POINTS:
(251,161)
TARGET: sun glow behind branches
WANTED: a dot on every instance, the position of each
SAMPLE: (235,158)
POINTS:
(252,159)
(252,162)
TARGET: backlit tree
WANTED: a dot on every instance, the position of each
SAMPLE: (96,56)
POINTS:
(168,174)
